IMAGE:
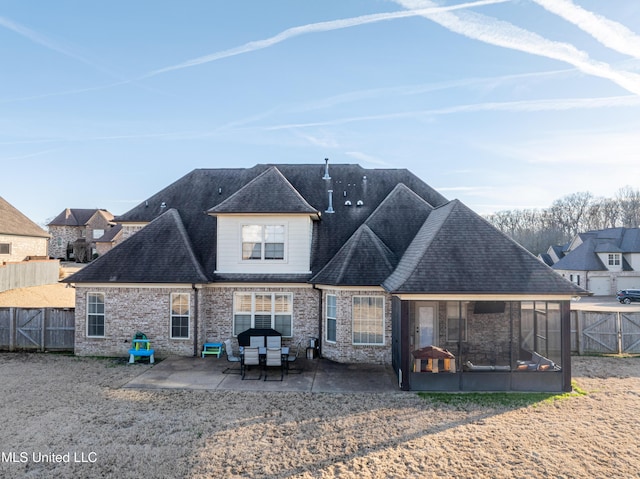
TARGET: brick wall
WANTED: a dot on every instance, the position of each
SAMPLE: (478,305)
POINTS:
(61,236)
(217,313)
(343,350)
(490,337)
(128,310)
(23,246)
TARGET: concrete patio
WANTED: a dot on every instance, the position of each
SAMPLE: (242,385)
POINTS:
(317,376)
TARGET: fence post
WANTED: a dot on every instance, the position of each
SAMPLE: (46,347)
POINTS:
(43,329)
(12,329)
(579,328)
(619,331)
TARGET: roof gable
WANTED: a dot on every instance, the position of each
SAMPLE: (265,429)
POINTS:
(269,192)
(161,252)
(78,216)
(401,207)
(13,222)
(364,260)
(457,251)
(583,258)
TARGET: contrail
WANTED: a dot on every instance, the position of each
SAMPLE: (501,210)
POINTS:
(504,34)
(611,34)
(317,27)
(513,106)
(41,40)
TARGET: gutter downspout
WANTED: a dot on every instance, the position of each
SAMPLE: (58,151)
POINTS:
(320,312)
(195,321)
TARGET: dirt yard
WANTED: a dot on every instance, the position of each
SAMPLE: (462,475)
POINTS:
(67,417)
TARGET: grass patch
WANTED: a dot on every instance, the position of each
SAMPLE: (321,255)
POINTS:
(509,400)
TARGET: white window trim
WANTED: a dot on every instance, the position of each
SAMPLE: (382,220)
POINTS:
(614,259)
(353,329)
(252,313)
(188,316)
(327,318)
(104,315)
(262,260)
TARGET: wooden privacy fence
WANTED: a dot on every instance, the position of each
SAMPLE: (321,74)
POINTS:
(605,332)
(40,329)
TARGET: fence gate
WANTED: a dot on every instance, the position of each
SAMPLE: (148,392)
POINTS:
(630,332)
(29,328)
(608,332)
(37,329)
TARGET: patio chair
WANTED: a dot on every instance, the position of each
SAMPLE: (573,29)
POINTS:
(232,358)
(291,358)
(274,341)
(274,359)
(251,357)
(256,342)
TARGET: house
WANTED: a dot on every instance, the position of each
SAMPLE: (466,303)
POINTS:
(74,232)
(23,251)
(109,239)
(20,238)
(370,265)
(601,261)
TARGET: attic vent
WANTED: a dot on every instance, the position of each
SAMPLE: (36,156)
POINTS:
(326,169)
(330,208)
(347,203)
(360,203)
(163,205)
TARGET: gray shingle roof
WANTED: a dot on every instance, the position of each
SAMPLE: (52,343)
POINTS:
(269,192)
(364,260)
(388,226)
(13,222)
(456,251)
(76,217)
(159,253)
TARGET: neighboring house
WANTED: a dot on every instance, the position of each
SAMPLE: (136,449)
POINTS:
(602,261)
(110,238)
(371,263)
(23,251)
(74,232)
(20,238)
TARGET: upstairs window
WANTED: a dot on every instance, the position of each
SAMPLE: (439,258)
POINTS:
(614,259)
(263,242)
(5,248)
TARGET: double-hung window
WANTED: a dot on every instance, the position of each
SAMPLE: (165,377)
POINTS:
(263,242)
(368,320)
(264,311)
(180,315)
(456,321)
(331,313)
(95,315)
(5,248)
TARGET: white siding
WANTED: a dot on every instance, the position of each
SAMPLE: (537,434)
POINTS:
(297,244)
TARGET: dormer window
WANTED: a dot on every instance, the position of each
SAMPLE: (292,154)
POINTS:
(614,259)
(263,242)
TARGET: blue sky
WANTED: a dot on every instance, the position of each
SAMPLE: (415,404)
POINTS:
(504,104)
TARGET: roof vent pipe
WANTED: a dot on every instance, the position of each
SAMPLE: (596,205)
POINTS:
(326,169)
(330,208)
